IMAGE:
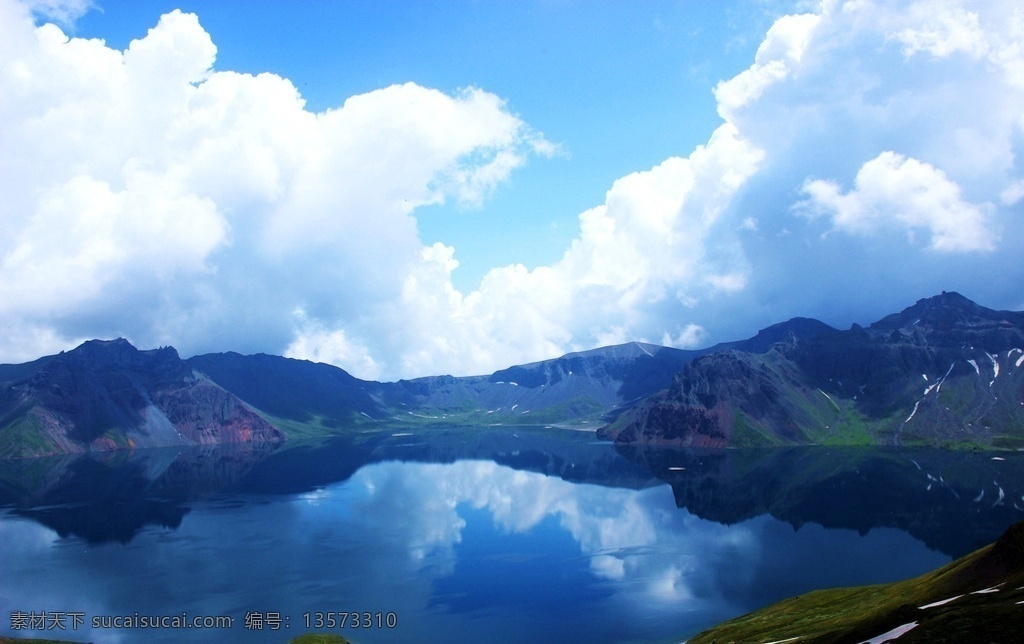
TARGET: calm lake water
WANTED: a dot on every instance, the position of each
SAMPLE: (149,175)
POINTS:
(471,535)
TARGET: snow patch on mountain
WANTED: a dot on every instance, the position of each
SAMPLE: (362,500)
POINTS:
(995,368)
(895,633)
(916,405)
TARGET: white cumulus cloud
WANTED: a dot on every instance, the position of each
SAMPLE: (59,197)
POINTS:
(892,191)
(151,195)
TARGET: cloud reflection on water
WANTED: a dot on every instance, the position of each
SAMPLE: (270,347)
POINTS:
(465,551)
(638,538)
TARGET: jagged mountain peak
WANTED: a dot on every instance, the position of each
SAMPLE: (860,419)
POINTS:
(98,355)
(799,328)
(944,311)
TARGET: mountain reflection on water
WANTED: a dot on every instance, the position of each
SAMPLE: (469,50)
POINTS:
(547,536)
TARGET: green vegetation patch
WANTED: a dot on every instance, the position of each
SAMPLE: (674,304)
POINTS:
(1008,442)
(746,433)
(26,437)
(318,428)
(853,428)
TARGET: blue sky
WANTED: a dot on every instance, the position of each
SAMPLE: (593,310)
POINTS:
(415,188)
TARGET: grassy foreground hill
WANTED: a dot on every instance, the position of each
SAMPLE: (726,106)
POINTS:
(977,598)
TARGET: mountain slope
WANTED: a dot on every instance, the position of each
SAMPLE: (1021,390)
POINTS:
(576,388)
(945,371)
(973,599)
(108,395)
(306,393)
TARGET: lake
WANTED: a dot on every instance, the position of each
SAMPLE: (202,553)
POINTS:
(485,534)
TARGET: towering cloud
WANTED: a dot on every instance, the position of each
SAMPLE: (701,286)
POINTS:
(150,195)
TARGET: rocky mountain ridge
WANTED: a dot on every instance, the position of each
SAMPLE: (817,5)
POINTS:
(944,371)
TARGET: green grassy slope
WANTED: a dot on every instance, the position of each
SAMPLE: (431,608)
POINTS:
(977,598)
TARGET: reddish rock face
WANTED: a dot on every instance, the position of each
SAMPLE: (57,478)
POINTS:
(673,423)
(205,414)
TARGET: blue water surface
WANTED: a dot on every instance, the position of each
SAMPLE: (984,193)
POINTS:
(418,546)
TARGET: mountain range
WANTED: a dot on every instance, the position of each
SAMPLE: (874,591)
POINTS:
(944,371)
